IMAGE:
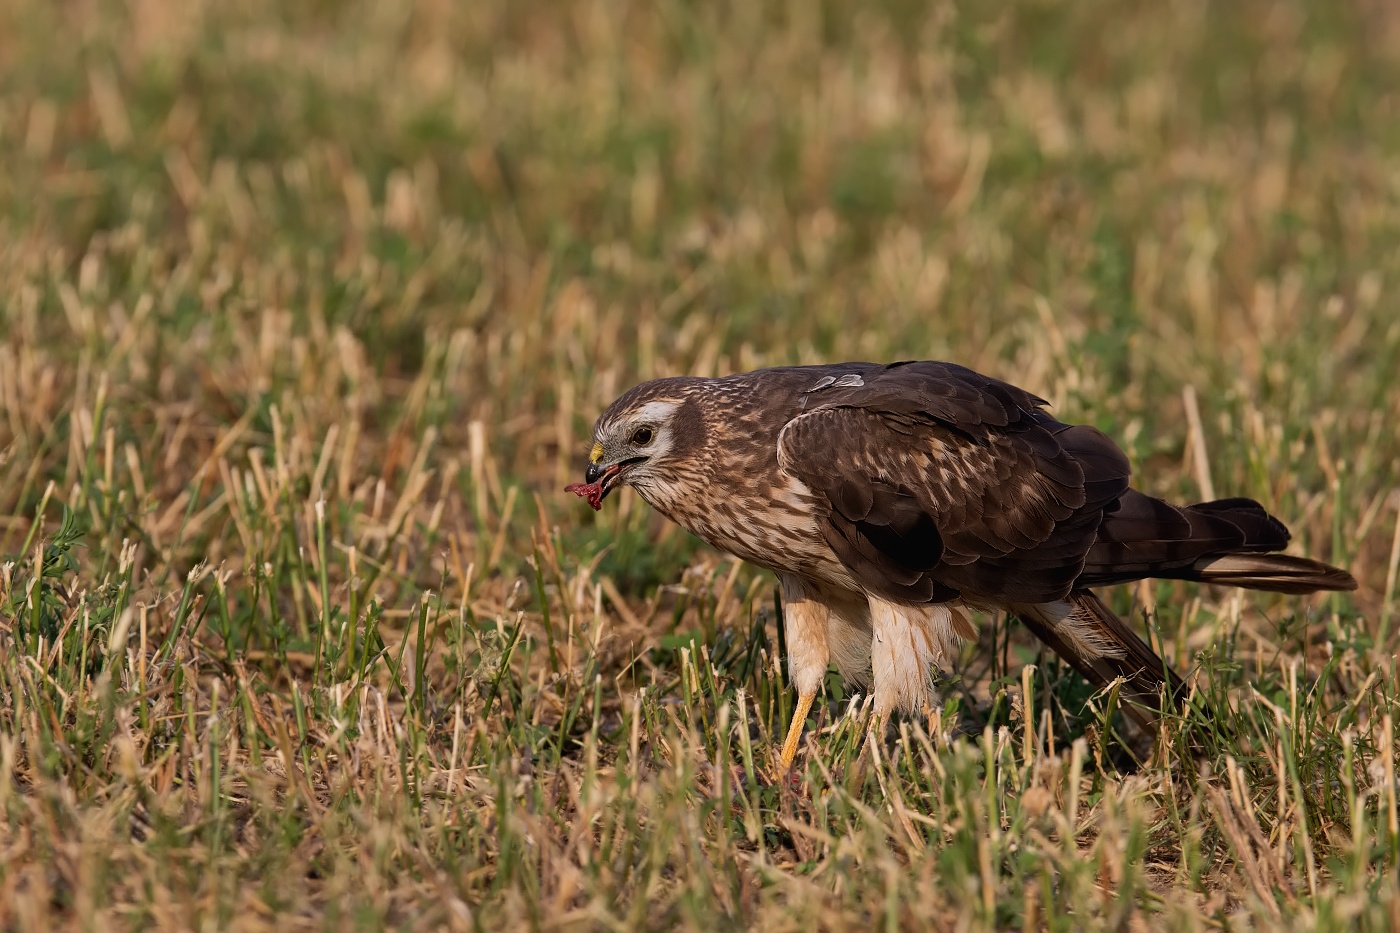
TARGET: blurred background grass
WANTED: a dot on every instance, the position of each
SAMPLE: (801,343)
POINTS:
(395,256)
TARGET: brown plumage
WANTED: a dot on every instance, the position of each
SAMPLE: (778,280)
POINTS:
(892,500)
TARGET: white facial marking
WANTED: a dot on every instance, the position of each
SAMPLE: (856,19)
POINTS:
(656,416)
(657,412)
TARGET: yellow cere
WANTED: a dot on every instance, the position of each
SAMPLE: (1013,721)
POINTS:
(597,453)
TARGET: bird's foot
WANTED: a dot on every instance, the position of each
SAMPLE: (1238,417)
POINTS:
(794,733)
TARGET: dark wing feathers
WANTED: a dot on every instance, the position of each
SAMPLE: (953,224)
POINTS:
(944,482)
(852,498)
(962,400)
(1146,537)
(1227,542)
(1260,530)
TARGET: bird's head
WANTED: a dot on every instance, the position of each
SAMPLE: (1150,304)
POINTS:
(643,440)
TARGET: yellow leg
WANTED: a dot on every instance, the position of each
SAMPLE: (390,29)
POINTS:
(794,735)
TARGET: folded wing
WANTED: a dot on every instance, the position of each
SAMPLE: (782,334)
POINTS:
(943,482)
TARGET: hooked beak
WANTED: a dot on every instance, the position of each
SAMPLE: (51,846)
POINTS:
(601,480)
(609,477)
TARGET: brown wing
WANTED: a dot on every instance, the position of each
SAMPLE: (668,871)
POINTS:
(944,482)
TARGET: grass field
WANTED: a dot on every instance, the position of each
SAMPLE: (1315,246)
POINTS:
(305,314)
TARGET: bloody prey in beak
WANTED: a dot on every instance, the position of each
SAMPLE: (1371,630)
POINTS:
(593,492)
(600,481)
(597,485)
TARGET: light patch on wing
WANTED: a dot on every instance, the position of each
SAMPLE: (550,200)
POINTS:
(847,381)
(794,494)
(1078,628)
(907,644)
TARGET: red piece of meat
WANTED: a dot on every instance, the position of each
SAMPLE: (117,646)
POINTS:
(593,492)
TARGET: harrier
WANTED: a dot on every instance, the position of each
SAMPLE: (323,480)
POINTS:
(894,500)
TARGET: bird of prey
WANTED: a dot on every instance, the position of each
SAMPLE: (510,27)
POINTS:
(893,500)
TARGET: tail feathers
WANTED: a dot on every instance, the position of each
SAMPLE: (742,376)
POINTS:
(1276,573)
(1102,648)
(1258,530)
(1226,541)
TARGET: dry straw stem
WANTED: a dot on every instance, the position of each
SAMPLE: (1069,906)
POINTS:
(305,311)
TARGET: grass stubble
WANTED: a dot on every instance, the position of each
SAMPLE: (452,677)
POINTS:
(305,311)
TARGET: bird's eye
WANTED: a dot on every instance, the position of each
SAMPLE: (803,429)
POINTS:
(642,437)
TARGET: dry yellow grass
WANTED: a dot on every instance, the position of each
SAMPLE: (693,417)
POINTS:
(305,312)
